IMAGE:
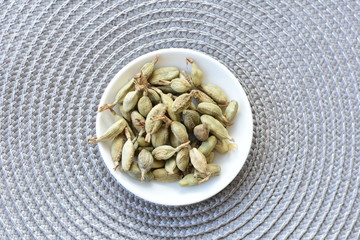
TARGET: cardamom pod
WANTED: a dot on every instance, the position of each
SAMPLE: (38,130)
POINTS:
(192,106)
(215,92)
(129,86)
(154,96)
(231,110)
(160,137)
(191,119)
(166,89)
(138,122)
(213,110)
(114,130)
(153,121)
(135,172)
(163,176)
(181,102)
(170,165)
(118,117)
(179,131)
(198,160)
(142,143)
(125,115)
(180,85)
(116,149)
(182,159)
(168,101)
(149,148)
(165,152)
(211,171)
(207,146)
(216,128)
(145,161)
(130,100)
(144,105)
(127,155)
(202,131)
(174,141)
(164,74)
(189,180)
(224,146)
(158,164)
(186,76)
(210,157)
(148,68)
(201,96)
(196,73)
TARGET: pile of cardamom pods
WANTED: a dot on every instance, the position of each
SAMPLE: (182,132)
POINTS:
(173,139)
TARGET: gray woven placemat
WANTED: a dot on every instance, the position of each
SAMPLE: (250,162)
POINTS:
(297,60)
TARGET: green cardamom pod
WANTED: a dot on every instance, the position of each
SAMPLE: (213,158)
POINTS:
(116,149)
(201,96)
(144,105)
(191,119)
(124,114)
(135,172)
(198,160)
(208,146)
(210,158)
(138,121)
(213,110)
(154,96)
(158,164)
(180,85)
(160,137)
(153,121)
(129,86)
(163,176)
(196,73)
(165,152)
(174,141)
(181,102)
(168,101)
(216,93)
(118,117)
(148,68)
(166,89)
(224,146)
(186,76)
(231,110)
(114,130)
(189,180)
(179,131)
(130,100)
(149,148)
(141,142)
(182,159)
(163,74)
(202,131)
(170,165)
(127,155)
(145,161)
(212,170)
(216,128)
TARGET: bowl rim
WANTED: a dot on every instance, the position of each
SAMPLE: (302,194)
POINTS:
(136,61)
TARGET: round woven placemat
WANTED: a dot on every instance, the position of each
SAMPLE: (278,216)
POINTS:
(297,60)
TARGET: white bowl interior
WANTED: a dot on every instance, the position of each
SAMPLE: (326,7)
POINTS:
(241,131)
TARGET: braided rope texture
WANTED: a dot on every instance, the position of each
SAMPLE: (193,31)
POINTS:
(297,60)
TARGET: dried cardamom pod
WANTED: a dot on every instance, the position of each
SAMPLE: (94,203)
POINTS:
(125,115)
(129,86)
(174,141)
(182,159)
(207,146)
(127,155)
(135,172)
(211,171)
(138,122)
(165,74)
(166,89)
(213,110)
(202,131)
(191,119)
(145,161)
(144,105)
(198,160)
(165,152)
(182,102)
(210,157)
(163,176)
(216,128)
(168,101)
(148,68)
(179,131)
(170,165)
(160,137)
(224,146)
(116,149)
(114,130)
(142,143)
(153,121)
(154,96)
(130,100)
(216,93)
(179,85)
(149,148)
(189,180)
(186,76)
(118,117)
(196,73)
(231,110)
(201,96)
(158,164)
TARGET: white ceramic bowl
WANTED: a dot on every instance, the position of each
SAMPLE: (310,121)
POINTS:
(241,131)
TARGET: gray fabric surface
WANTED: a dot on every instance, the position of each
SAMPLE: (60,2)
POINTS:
(297,60)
